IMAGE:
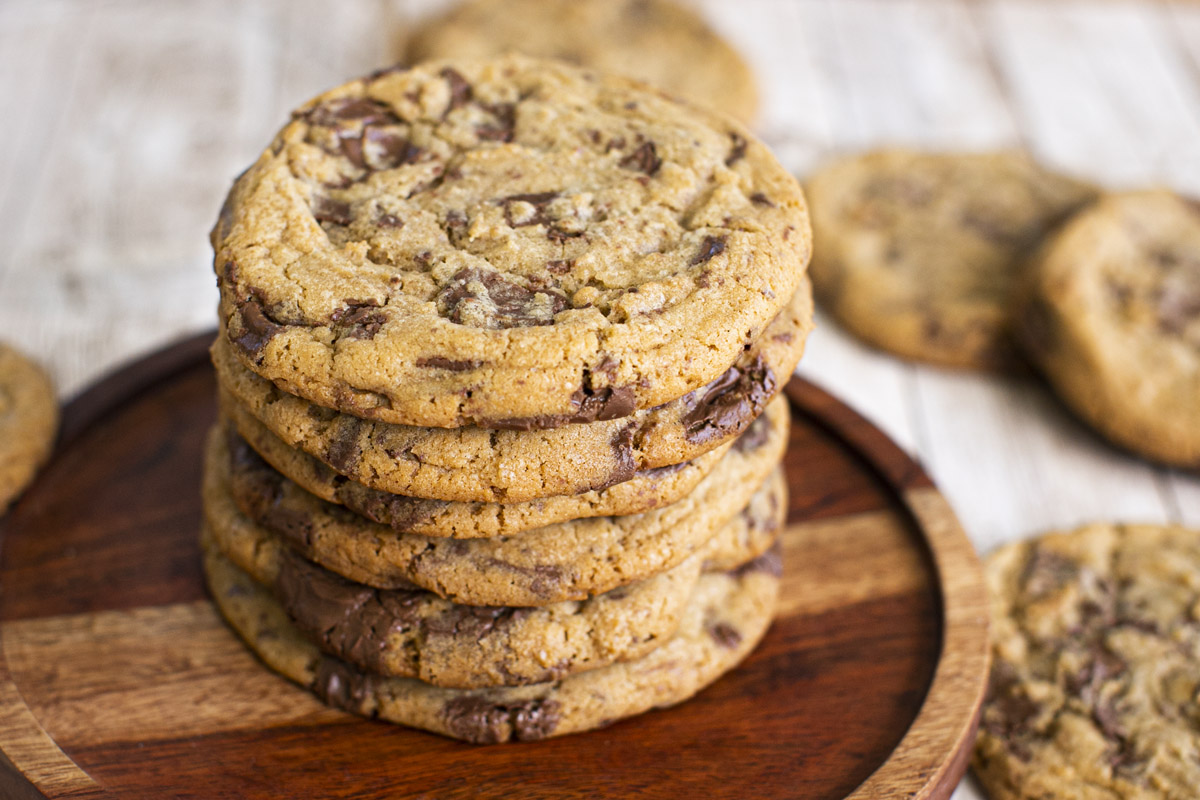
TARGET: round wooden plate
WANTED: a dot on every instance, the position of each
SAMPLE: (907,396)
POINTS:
(117,679)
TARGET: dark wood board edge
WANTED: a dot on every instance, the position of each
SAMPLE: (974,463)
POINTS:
(949,716)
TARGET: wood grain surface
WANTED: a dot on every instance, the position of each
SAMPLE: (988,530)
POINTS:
(118,679)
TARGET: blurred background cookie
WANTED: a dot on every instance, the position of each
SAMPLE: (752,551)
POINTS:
(1094,677)
(1111,315)
(28,422)
(657,41)
(917,253)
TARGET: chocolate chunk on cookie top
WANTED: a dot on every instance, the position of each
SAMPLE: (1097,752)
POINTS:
(1096,666)
(920,253)
(509,243)
(1111,314)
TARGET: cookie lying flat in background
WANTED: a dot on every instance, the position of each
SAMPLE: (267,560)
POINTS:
(1111,315)
(656,41)
(1096,666)
(918,253)
(28,422)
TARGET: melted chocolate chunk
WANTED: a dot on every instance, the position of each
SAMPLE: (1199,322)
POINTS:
(505,125)
(387,148)
(474,622)
(342,687)
(560,267)
(644,159)
(449,364)
(398,511)
(724,634)
(624,465)
(486,299)
(738,151)
(325,209)
(753,437)
(1047,572)
(332,113)
(711,247)
(345,451)
(389,221)
(1009,712)
(482,722)
(758,198)
(359,319)
(345,619)
(257,328)
(461,92)
(729,402)
(543,579)
(540,201)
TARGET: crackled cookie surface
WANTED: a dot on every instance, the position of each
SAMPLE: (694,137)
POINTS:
(657,41)
(1096,666)
(28,422)
(507,244)
(725,617)
(479,465)
(919,253)
(1111,315)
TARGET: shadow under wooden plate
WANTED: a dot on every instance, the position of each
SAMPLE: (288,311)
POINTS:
(117,679)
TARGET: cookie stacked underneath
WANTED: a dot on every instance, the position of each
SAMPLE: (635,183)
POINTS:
(500,350)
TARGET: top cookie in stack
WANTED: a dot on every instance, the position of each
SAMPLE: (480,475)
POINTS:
(512,244)
(489,332)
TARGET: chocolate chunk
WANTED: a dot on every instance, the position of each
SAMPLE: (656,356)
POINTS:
(399,512)
(325,209)
(644,159)
(358,319)
(505,125)
(477,720)
(539,201)
(389,221)
(474,622)
(342,687)
(770,562)
(346,619)
(460,90)
(1046,572)
(388,148)
(257,328)
(758,198)
(486,299)
(345,451)
(624,465)
(738,151)
(560,267)
(729,402)
(724,634)
(753,437)
(449,364)
(333,112)
(711,247)
(456,220)
(541,579)
(1009,712)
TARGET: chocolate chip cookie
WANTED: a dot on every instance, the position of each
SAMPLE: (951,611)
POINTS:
(1111,315)
(28,422)
(504,244)
(658,41)
(566,561)
(414,633)
(919,253)
(1096,666)
(646,490)
(489,466)
(723,620)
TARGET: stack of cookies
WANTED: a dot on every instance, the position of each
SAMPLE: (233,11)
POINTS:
(499,357)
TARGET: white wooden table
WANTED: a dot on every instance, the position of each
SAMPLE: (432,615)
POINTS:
(123,123)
